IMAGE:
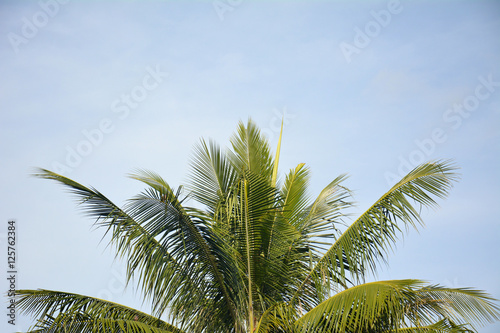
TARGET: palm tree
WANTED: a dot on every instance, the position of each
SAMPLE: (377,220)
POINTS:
(260,256)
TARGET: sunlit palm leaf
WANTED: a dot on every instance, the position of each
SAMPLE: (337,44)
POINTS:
(374,233)
(251,151)
(279,317)
(79,313)
(211,175)
(358,308)
(397,304)
(326,213)
(460,305)
(294,194)
(253,211)
(442,326)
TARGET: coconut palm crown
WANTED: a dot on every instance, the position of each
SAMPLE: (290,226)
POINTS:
(260,255)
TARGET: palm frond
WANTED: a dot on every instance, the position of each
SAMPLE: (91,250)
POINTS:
(369,239)
(459,305)
(277,158)
(133,241)
(326,213)
(253,205)
(359,308)
(398,304)
(443,326)
(294,194)
(190,241)
(277,318)
(211,176)
(318,223)
(251,151)
(169,274)
(56,310)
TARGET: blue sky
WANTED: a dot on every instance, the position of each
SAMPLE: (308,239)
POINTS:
(98,89)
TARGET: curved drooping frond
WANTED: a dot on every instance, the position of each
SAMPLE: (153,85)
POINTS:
(374,233)
(317,224)
(139,246)
(190,240)
(68,312)
(326,211)
(398,304)
(442,326)
(151,235)
(358,308)
(460,305)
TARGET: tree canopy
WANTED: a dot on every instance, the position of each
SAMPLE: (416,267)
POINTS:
(260,255)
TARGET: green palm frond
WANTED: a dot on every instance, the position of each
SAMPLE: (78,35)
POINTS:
(460,305)
(358,308)
(443,326)
(149,238)
(294,194)
(143,251)
(79,313)
(253,204)
(277,158)
(374,233)
(279,317)
(251,151)
(189,240)
(325,213)
(287,250)
(211,176)
(397,304)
